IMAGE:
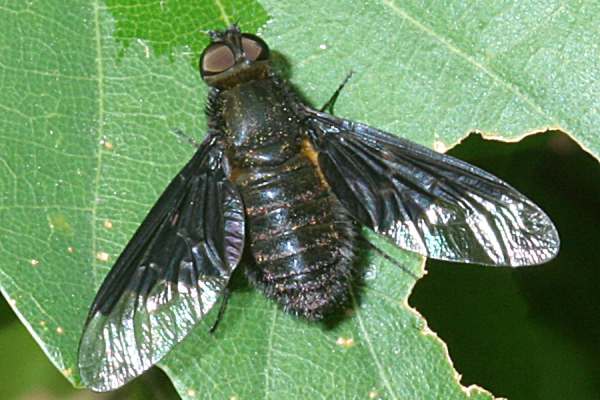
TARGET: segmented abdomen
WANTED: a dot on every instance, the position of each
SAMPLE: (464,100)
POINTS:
(302,240)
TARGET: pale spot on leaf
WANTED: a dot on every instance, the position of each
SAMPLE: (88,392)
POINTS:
(439,146)
(345,342)
(106,144)
(102,256)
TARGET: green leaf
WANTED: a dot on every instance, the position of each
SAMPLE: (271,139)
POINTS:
(90,94)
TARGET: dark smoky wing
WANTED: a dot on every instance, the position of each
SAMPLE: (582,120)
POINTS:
(430,203)
(168,277)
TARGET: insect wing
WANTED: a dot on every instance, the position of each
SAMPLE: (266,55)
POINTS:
(427,202)
(169,275)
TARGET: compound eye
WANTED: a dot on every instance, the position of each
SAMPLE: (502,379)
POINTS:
(216,59)
(255,49)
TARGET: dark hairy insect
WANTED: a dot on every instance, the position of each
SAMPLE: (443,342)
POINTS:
(290,186)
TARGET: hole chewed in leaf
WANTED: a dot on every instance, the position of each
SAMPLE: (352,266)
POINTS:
(539,318)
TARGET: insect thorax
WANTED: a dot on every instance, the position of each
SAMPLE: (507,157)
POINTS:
(301,239)
(260,127)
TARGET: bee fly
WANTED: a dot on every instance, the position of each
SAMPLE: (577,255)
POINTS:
(293,185)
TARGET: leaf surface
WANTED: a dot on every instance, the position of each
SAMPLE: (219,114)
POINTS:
(90,94)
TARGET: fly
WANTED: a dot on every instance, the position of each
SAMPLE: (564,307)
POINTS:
(292,186)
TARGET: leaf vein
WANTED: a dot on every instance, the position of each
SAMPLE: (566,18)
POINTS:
(100,88)
(224,15)
(509,86)
(380,370)
(268,364)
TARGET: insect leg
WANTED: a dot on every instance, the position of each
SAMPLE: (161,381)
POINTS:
(182,136)
(331,102)
(388,257)
(221,310)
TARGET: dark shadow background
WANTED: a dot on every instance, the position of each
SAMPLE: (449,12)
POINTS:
(533,332)
(528,333)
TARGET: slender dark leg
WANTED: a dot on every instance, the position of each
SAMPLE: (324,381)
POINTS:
(331,102)
(221,310)
(182,136)
(387,257)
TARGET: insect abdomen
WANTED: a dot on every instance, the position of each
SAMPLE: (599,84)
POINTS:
(301,239)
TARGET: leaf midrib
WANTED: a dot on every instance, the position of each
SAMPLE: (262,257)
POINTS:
(99,135)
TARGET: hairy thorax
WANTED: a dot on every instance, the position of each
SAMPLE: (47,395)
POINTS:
(300,237)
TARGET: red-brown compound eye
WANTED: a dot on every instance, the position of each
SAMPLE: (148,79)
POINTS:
(216,59)
(254,48)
